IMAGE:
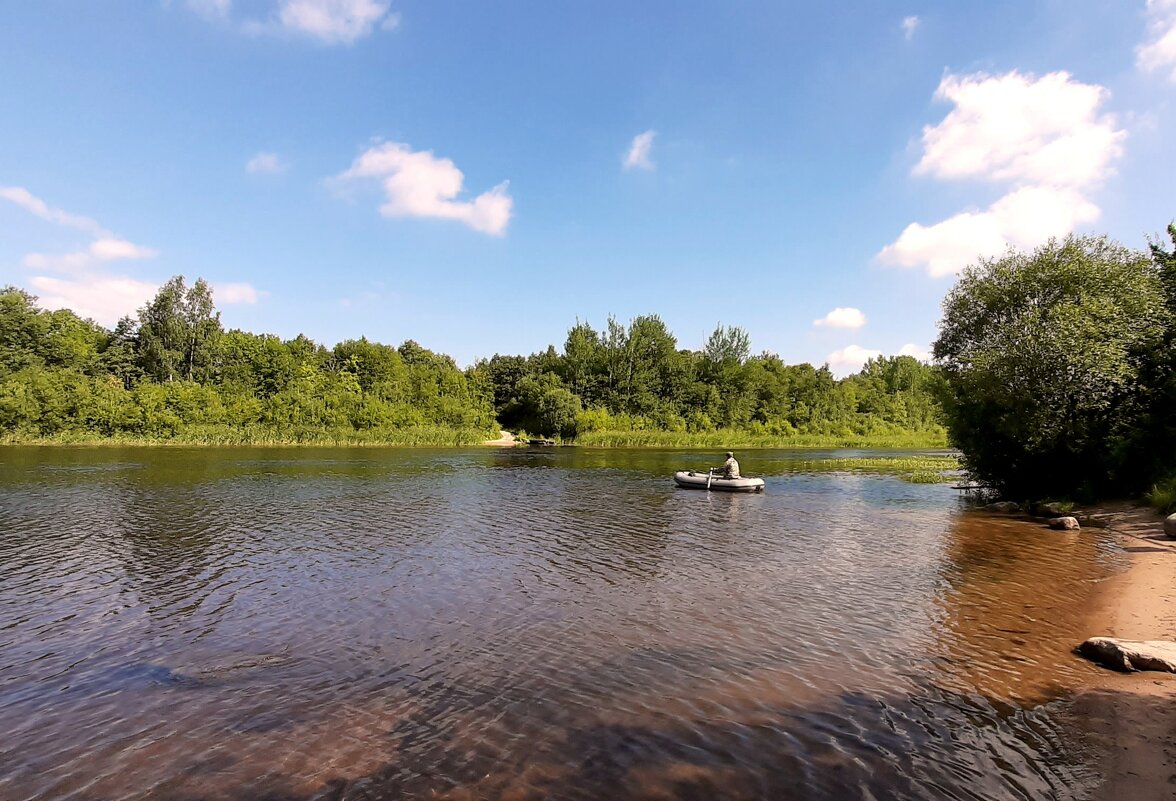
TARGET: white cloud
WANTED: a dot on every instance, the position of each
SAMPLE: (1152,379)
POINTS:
(638,156)
(911,349)
(1044,137)
(100,297)
(850,359)
(328,21)
(1023,218)
(265,163)
(1159,52)
(1014,128)
(418,184)
(842,317)
(108,249)
(30,202)
(235,293)
(105,247)
(909,26)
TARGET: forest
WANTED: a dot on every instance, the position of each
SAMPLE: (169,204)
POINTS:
(172,373)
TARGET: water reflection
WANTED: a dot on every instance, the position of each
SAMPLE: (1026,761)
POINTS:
(558,624)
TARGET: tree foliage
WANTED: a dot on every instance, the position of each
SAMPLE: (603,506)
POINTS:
(173,372)
(1044,357)
(634,377)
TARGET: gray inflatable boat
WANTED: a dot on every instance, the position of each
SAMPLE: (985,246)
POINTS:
(691,479)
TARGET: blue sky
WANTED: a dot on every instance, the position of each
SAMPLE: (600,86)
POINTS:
(479,176)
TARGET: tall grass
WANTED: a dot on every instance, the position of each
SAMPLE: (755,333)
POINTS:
(229,436)
(1162,496)
(739,439)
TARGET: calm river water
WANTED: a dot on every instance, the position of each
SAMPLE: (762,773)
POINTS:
(386,624)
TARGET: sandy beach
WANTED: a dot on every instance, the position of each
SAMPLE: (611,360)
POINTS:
(1132,716)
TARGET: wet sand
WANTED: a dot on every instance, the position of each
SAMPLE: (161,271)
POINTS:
(1132,716)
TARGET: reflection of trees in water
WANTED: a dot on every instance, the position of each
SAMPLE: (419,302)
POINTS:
(1014,598)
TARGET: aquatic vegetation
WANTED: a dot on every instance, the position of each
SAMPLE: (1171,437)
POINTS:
(915,469)
(734,438)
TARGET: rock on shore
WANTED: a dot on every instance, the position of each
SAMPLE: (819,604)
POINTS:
(1170,526)
(1004,507)
(1131,655)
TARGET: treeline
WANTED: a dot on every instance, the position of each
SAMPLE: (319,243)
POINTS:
(173,373)
(632,384)
(1060,370)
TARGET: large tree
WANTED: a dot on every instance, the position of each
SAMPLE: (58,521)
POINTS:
(178,331)
(1042,353)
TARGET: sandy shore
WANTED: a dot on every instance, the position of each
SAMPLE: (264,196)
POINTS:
(1132,717)
(505,440)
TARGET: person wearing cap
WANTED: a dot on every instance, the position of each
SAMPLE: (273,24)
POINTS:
(730,467)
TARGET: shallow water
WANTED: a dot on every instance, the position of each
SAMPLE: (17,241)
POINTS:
(385,624)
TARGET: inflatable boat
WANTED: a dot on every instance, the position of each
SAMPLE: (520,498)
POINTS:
(691,479)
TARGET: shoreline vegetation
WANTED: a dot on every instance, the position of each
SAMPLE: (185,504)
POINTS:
(172,375)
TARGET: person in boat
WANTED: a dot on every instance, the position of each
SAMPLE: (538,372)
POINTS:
(730,467)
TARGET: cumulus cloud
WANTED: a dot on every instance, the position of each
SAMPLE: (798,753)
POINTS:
(909,26)
(638,156)
(842,317)
(850,359)
(265,163)
(235,293)
(1045,138)
(418,184)
(1023,218)
(1159,51)
(102,298)
(1014,128)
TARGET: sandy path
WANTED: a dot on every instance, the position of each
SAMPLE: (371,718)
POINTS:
(1133,715)
(505,440)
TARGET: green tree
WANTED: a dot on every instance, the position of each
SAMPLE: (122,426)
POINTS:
(178,331)
(1041,353)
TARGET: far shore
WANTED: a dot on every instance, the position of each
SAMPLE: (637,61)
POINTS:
(438,438)
(1134,714)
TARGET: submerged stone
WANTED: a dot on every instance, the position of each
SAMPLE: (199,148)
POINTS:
(1007,507)
(1131,655)
(1065,523)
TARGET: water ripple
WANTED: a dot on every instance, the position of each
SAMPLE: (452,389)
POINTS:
(333,624)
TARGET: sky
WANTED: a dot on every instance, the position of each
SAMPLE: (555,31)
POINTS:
(478,177)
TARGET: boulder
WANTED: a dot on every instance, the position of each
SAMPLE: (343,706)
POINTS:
(1130,655)
(1170,526)
(1053,509)
(1006,507)
(1065,523)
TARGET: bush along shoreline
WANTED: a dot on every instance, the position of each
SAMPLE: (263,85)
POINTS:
(1059,371)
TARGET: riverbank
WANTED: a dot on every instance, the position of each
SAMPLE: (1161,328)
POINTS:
(441,437)
(1132,716)
(229,436)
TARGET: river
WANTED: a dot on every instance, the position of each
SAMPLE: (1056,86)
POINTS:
(231,624)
